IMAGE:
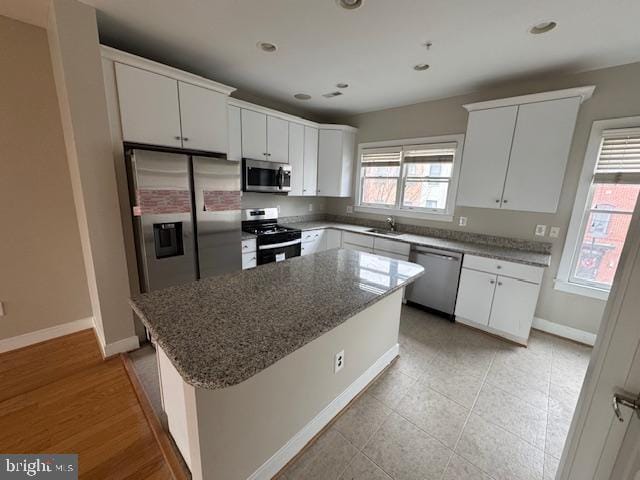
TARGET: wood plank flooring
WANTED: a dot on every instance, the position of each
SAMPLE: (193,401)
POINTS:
(61,397)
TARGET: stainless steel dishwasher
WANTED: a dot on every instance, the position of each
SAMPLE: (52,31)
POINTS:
(437,289)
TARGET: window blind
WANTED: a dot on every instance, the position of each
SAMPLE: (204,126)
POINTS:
(431,153)
(381,157)
(619,159)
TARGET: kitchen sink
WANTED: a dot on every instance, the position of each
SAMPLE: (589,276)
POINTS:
(384,232)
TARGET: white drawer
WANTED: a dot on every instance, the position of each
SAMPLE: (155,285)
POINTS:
(311,235)
(397,256)
(357,239)
(384,245)
(249,260)
(507,269)
(249,245)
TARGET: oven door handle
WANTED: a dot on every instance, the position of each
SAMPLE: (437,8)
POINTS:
(278,245)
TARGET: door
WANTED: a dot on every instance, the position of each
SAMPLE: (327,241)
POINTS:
(277,140)
(149,109)
(599,446)
(514,305)
(329,162)
(296,158)
(254,135)
(475,294)
(310,170)
(541,144)
(204,118)
(234,126)
(486,156)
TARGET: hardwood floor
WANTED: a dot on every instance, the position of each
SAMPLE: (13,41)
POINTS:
(61,397)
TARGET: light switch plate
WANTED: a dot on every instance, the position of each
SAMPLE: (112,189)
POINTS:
(554,232)
(541,230)
(462,221)
(311,207)
(349,209)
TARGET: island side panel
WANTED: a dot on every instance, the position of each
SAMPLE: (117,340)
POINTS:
(253,429)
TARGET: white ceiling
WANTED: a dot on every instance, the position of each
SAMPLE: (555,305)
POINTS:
(475,44)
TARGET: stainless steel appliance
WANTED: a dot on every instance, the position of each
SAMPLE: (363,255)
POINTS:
(186,215)
(437,289)
(274,242)
(261,176)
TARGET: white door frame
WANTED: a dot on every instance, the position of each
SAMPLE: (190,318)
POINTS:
(596,435)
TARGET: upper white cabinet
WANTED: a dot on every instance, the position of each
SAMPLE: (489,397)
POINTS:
(516,150)
(310,167)
(149,107)
(254,135)
(277,139)
(296,158)
(159,109)
(235,133)
(336,151)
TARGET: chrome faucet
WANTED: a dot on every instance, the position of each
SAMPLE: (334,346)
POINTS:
(392,224)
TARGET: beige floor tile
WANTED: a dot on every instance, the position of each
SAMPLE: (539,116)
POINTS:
(460,469)
(412,363)
(526,387)
(557,431)
(501,454)
(391,387)
(405,452)
(551,465)
(458,385)
(361,468)
(361,420)
(470,358)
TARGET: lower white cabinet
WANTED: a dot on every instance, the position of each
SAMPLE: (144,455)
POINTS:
(357,241)
(334,238)
(313,241)
(391,248)
(498,296)
(249,254)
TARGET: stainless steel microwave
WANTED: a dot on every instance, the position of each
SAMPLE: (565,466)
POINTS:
(261,176)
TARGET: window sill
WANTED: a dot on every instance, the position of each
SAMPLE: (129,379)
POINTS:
(439,217)
(567,287)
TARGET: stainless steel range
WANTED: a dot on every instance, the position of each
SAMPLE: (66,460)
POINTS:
(274,242)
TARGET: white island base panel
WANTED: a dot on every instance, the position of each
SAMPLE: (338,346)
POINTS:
(253,429)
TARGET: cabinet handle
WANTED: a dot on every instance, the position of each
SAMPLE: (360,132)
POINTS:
(505,201)
(498,267)
(177,137)
(186,139)
(497,200)
(492,282)
(499,284)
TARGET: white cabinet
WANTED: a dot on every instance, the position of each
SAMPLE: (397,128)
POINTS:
(254,135)
(313,241)
(334,238)
(249,254)
(277,139)
(203,115)
(310,167)
(234,126)
(336,151)
(514,305)
(391,248)
(475,294)
(296,158)
(357,241)
(149,107)
(515,155)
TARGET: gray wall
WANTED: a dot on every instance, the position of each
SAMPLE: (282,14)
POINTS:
(616,95)
(289,206)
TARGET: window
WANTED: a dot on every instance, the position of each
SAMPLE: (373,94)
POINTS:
(601,220)
(410,178)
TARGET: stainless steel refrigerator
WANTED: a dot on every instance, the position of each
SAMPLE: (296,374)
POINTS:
(186,216)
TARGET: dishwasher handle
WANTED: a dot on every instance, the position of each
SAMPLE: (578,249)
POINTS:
(439,255)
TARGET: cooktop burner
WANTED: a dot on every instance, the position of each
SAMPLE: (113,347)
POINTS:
(266,229)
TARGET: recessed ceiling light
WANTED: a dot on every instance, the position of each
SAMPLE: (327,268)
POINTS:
(342,85)
(267,47)
(350,4)
(421,67)
(331,94)
(302,96)
(543,27)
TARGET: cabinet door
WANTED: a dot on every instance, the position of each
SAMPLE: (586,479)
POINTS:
(277,140)
(204,118)
(329,162)
(149,109)
(475,294)
(310,179)
(254,135)
(234,126)
(296,158)
(314,246)
(486,156)
(541,144)
(514,305)
(334,238)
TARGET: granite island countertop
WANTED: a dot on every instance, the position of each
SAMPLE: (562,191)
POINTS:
(222,330)
(500,252)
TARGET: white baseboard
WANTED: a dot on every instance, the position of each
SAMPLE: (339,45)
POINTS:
(121,346)
(564,331)
(283,456)
(38,336)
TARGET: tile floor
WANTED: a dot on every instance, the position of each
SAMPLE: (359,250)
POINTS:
(456,405)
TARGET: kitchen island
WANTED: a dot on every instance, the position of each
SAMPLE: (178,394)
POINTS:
(248,360)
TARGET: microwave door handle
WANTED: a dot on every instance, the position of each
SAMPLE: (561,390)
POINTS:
(280,178)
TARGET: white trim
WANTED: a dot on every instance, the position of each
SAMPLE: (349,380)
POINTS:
(121,346)
(580,203)
(440,217)
(577,289)
(38,336)
(161,69)
(564,331)
(499,333)
(274,464)
(584,93)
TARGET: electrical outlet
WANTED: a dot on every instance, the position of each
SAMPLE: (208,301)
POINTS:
(462,221)
(541,230)
(278,207)
(349,209)
(339,362)
(1,309)
(554,232)
(311,207)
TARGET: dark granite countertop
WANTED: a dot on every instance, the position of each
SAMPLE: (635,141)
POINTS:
(222,330)
(500,252)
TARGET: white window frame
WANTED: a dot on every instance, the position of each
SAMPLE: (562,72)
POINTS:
(581,205)
(442,215)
